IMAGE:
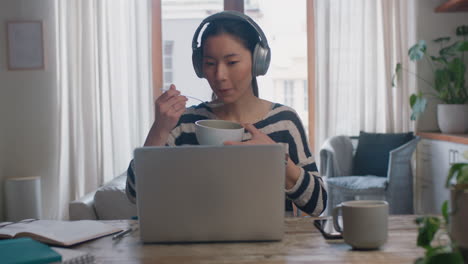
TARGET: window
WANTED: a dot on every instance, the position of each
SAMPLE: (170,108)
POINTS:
(288,87)
(180,18)
(167,67)
(305,95)
(287,38)
(290,38)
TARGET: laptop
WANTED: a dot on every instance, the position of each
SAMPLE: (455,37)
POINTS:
(210,193)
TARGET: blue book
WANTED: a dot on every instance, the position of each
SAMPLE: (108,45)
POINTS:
(28,251)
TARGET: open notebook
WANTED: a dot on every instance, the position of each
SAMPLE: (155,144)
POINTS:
(59,233)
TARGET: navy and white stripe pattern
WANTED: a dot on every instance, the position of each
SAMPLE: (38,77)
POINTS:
(283,125)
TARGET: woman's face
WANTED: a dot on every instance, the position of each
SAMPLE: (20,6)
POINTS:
(227,65)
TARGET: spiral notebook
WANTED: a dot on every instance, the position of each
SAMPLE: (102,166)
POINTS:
(74,256)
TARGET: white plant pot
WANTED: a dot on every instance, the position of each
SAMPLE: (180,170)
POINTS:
(458,219)
(452,118)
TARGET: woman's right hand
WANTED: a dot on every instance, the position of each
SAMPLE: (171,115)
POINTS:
(168,109)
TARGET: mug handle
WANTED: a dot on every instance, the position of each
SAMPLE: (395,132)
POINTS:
(335,218)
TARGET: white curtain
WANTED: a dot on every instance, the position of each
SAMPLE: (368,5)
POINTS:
(105,94)
(358,44)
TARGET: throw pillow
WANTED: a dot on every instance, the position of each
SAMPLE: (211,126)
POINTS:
(373,152)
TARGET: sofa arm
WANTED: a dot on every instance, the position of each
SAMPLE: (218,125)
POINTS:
(83,208)
(111,202)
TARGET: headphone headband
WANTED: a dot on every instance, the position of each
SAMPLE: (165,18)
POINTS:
(230,15)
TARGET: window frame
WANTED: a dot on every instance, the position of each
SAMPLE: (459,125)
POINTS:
(237,5)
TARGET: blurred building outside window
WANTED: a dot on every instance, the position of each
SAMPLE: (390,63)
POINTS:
(167,63)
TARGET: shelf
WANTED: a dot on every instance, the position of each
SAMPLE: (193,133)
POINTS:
(453,6)
(455,138)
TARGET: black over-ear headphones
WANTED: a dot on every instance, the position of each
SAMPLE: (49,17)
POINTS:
(260,57)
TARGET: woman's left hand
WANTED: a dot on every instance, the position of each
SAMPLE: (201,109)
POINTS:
(258,137)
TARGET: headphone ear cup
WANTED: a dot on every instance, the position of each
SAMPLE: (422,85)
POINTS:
(260,61)
(197,62)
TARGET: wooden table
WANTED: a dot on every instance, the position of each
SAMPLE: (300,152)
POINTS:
(302,243)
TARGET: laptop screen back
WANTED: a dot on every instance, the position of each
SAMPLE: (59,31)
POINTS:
(210,193)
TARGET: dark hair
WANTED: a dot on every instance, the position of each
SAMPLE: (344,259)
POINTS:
(239,29)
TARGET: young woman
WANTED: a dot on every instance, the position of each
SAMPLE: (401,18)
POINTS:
(232,53)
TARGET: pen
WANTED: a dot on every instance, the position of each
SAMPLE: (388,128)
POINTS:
(122,233)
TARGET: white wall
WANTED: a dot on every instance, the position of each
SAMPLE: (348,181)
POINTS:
(28,99)
(431,25)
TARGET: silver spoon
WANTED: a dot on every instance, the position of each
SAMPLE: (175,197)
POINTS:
(210,104)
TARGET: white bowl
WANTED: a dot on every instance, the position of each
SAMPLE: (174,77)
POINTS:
(215,132)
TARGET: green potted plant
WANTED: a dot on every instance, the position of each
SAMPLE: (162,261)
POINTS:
(448,81)
(454,248)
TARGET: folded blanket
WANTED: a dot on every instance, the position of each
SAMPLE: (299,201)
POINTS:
(336,157)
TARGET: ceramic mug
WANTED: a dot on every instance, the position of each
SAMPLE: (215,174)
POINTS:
(215,132)
(365,223)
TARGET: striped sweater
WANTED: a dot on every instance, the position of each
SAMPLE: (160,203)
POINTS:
(283,125)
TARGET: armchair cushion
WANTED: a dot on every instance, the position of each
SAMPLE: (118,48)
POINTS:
(373,151)
(359,183)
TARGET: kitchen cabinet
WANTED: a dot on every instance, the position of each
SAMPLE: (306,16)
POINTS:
(433,160)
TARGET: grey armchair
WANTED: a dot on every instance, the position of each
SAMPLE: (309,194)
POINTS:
(336,165)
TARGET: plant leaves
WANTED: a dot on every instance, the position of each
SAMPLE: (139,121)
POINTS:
(420,261)
(456,169)
(451,50)
(442,255)
(417,51)
(412,100)
(396,74)
(418,106)
(439,59)
(447,257)
(463,175)
(419,220)
(432,251)
(441,80)
(442,39)
(445,211)
(462,30)
(427,230)
(457,69)
(463,46)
